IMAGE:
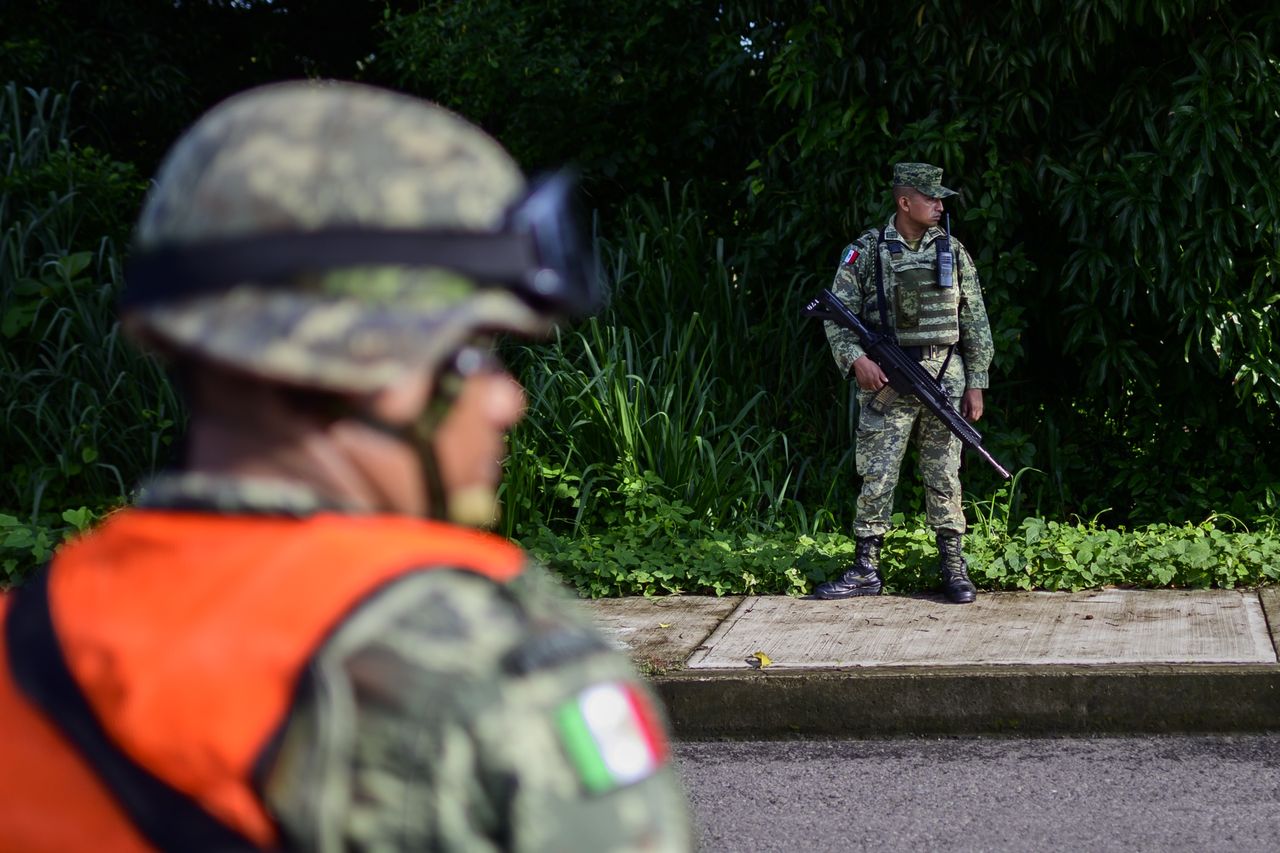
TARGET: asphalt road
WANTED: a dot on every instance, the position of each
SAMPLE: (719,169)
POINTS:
(991,794)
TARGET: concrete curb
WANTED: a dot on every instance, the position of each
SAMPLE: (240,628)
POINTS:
(673,639)
(711,704)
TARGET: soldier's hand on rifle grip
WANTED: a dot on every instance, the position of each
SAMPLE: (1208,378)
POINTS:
(871,378)
(971,405)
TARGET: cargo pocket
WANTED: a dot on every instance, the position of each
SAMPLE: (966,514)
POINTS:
(869,420)
(871,431)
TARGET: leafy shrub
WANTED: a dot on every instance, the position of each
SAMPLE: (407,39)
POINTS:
(25,545)
(1040,554)
(85,415)
(658,546)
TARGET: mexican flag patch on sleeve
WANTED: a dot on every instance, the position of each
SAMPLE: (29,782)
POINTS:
(850,255)
(612,735)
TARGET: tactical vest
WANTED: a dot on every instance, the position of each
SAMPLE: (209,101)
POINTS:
(181,639)
(924,314)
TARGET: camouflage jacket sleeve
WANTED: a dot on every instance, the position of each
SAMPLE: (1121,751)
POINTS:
(853,275)
(443,715)
(976,346)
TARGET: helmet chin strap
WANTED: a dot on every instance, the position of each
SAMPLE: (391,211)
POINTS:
(474,506)
(419,436)
(471,506)
(432,482)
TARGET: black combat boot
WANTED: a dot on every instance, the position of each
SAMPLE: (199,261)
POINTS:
(956,585)
(862,578)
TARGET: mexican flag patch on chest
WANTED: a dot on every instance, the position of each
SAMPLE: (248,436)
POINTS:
(612,735)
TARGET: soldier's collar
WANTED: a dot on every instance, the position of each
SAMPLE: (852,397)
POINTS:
(891,233)
(203,492)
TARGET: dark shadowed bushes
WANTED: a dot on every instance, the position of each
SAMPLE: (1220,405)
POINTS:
(1118,191)
(85,416)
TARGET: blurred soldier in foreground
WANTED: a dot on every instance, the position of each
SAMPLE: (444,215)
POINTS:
(912,280)
(275,648)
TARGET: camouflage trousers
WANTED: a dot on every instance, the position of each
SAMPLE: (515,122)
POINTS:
(882,444)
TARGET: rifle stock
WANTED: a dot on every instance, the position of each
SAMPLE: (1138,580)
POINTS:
(905,374)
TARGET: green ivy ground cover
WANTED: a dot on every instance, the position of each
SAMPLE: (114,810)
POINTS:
(25,545)
(1039,554)
(668,559)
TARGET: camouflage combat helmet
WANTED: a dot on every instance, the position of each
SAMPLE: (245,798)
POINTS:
(922,177)
(337,235)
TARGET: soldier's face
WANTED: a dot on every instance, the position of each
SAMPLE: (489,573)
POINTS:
(921,210)
(470,443)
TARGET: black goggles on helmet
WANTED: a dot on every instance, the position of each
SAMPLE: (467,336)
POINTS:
(540,253)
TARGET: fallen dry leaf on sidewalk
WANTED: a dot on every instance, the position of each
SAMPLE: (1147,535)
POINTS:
(762,658)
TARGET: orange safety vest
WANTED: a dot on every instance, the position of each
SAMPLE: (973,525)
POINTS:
(187,634)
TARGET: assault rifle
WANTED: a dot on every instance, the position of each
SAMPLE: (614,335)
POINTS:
(905,374)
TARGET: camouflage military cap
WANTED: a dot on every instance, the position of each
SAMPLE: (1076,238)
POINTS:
(923,177)
(301,156)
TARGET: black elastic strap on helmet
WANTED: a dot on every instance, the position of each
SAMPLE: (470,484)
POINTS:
(190,269)
(538,254)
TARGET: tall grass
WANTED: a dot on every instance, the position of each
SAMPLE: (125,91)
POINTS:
(85,416)
(676,399)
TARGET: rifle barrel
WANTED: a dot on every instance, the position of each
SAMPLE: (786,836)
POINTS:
(906,375)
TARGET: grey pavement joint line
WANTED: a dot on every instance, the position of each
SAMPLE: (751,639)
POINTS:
(707,646)
(1269,598)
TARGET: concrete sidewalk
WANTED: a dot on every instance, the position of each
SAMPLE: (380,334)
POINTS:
(1034,662)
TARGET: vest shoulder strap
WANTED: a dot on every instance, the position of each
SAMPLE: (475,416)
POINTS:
(167,817)
(881,301)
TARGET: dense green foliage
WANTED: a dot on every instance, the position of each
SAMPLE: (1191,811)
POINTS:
(613,84)
(1050,555)
(1113,160)
(644,398)
(84,415)
(144,69)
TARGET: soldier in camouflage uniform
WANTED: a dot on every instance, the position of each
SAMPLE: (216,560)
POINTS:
(325,265)
(946,328)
